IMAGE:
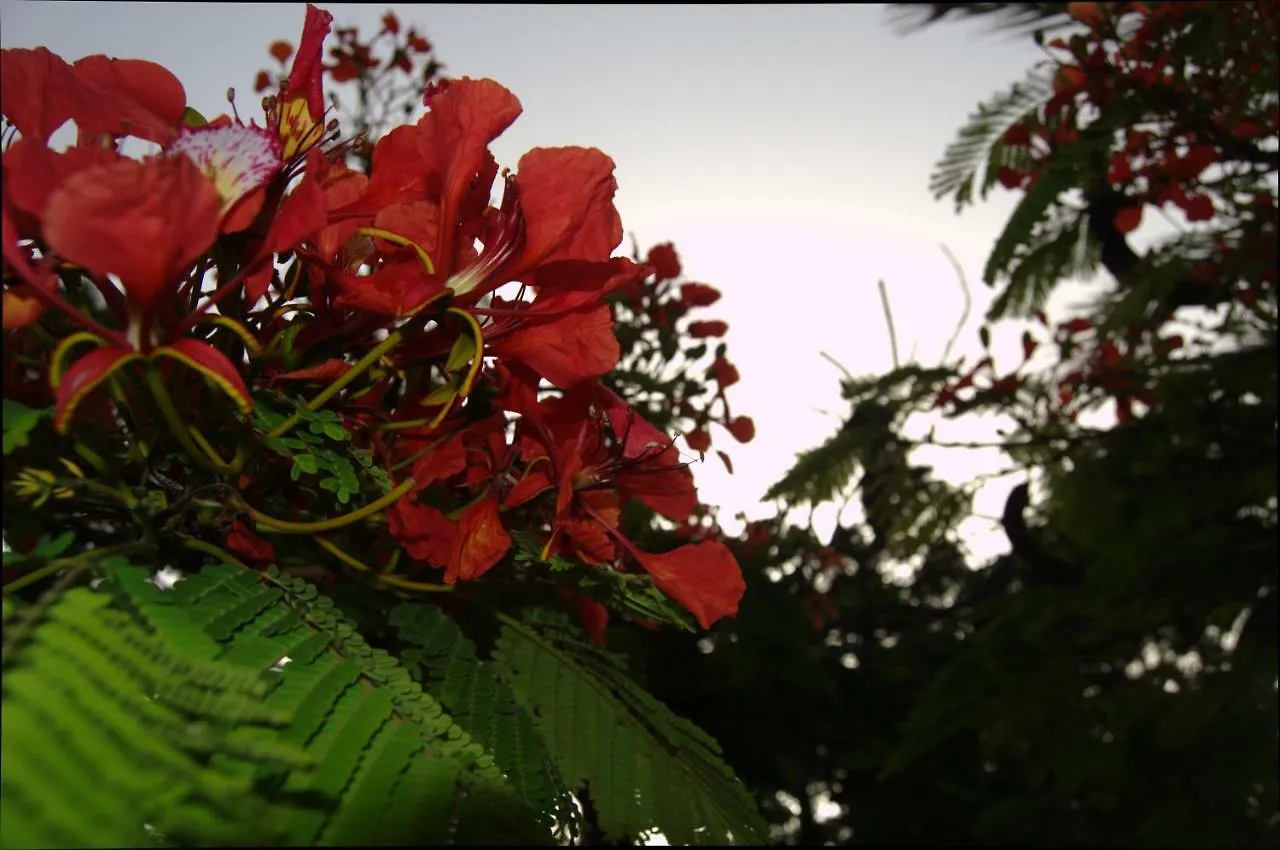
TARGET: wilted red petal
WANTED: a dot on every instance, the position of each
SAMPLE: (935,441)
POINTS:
(702,577)
(481,542)
(305,77)
(214,365)
(568,350)
(144,221)
(83,377)
(566,195)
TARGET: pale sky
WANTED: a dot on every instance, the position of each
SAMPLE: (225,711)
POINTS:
(785,149)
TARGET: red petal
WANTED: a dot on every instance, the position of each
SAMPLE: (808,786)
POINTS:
(37,88)
(326,372)
(702,577)
(700,330)
(726,373)
(83,377)
(424,532)
(144,221)
(698,294)
(153,88)
(32,172)
(280,51)
(1128,219)
(665,261)
(566,351)
(575,284)
(566,195)
(698,440)
(447,459)
(249,546)
(594,617)
(481,541)
(301,214)
(305,77)
(742,428)
(213,364)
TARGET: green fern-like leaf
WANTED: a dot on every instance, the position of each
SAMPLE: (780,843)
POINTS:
(978,144)
(93,749)
(1059,250)
(819,474)
(483,704)
(644,767)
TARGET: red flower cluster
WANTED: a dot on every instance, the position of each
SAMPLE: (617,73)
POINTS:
(462,342)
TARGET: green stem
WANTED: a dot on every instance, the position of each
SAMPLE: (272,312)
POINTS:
(393,339)
(73,562)
(280,526)
(174,421)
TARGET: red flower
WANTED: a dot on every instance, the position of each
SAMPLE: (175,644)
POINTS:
(665,261)
(725,372)
(699,440)
(306,75)
(281,51)
(701,330)
(703,577)
(742,428)
(247,546)
(696,294)
(1128,219)
(390,23)
(147,223)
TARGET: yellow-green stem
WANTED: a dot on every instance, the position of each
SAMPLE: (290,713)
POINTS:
(393,339)
(174,421)
(73,561)
(280,526)
(209,549)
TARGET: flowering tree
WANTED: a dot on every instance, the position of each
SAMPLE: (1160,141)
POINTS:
(381,424)
(1111,678)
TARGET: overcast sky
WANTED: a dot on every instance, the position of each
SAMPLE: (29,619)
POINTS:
(785,149)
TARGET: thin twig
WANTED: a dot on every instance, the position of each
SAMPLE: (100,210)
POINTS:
(888,320)
(837,364)
(968,301)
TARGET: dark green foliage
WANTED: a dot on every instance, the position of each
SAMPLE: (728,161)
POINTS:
(644,766)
